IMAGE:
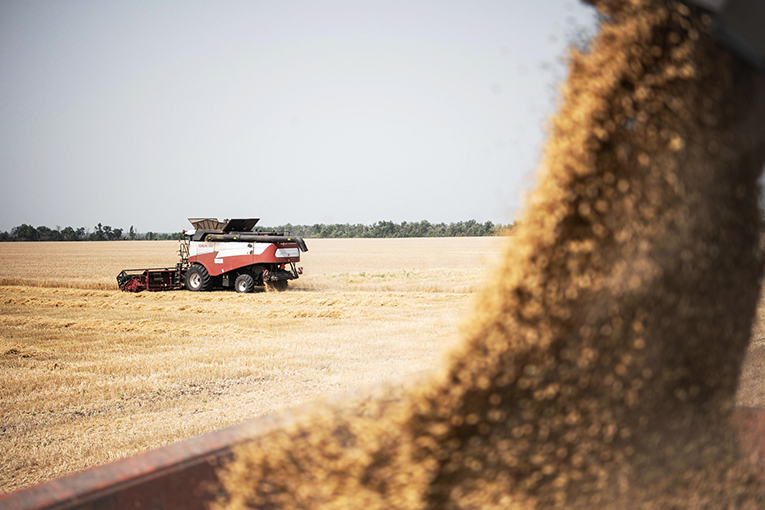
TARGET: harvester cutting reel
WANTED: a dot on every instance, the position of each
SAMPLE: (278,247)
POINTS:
(153,279)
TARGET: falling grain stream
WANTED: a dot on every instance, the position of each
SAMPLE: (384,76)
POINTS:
(599,368)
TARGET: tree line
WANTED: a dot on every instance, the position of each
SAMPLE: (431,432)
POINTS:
(100,232)
(470,228)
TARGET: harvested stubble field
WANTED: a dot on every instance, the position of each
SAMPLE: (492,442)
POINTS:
(89,374)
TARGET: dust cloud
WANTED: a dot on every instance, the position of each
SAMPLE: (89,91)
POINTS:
(600,365)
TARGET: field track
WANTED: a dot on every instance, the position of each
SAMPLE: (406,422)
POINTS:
(89,374)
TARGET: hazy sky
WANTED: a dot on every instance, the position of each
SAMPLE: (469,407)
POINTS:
(146,113)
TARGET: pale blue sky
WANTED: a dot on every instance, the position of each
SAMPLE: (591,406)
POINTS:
(146,113)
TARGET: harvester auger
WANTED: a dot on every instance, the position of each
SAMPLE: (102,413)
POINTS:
(223,254)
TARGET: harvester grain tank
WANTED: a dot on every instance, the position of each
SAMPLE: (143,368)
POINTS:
(224,254)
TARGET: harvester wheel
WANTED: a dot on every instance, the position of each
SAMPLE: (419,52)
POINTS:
(197,278)
(244,283)
(278,286)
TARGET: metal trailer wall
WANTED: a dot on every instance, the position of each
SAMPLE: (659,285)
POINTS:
(183,475)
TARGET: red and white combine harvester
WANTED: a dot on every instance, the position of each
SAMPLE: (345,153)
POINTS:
(223,254)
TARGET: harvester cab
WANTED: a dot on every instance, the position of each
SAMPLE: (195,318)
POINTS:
(224,254)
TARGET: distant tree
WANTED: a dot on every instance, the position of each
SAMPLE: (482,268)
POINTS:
(68,234)
(44,233)
(24,232)
(98,233)
(47,234)
(131,233)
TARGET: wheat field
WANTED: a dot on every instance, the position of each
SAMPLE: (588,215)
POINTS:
(89,374)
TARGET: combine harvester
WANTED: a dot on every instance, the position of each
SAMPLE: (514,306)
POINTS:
(223,254)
